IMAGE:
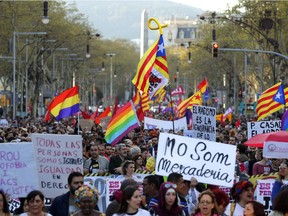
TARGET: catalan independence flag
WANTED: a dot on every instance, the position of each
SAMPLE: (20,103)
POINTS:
(270,101)
(195,99)
(152,70)
(124,121)
(65,104)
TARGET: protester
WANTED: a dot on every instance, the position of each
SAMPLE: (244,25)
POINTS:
(222,200)
(128,168)
(278,184)
(254,208)
(241,192)
(117,196)
(207,204)
(116,161)
(130,203)
(151,187)
(96,163)
(64,205)
(167,201)
(181,189)
(280,204)
(193,193)
(262,167)
(35,200)
(4,207)
(138,161)
(23,207)
(86,198)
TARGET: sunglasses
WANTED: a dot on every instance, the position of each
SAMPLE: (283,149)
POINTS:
(205,202)
(168,185)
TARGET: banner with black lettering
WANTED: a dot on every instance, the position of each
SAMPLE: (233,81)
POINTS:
(165,126)
(57,156)
(209,162)
(254,128)
(204,122)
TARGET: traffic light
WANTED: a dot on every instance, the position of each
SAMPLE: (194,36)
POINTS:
(215,47)
(175,78)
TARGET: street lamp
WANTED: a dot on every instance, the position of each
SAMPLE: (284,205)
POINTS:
(14,64)
(111,73)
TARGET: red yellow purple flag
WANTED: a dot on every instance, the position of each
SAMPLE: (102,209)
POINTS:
(203,86)
(152,71)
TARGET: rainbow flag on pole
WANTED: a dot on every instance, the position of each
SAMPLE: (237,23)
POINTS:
(65,104)
(124,121)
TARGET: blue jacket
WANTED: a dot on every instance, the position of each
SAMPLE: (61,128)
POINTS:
(60,205)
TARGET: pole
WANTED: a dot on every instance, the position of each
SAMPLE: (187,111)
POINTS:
(26,79)
(14,76)
(235,87)
(245,84)
(111,78)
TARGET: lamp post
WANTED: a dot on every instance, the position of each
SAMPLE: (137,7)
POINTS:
(111,73)
(14,64)
(45,18)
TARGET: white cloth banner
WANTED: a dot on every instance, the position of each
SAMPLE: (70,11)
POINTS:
(254,128)
(57,156)
(209,162)
(165,126)
(273,149)
(18,170)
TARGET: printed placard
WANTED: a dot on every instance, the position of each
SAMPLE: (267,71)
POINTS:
(18,169)
(57,156)
(254,128)
(209,162)
(165,126)
(204,122)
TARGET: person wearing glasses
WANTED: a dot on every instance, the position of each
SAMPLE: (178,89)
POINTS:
(207,205)
(130,203)
(167,202)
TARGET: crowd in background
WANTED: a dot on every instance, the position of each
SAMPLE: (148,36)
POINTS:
(136,153)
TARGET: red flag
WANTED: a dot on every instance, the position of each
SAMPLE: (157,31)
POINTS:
(47,116)
(237,123)
(85,115)
(104,114)
(94,115)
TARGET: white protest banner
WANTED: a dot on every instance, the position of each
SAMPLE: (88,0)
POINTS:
(188,133)
(204,122)
(165,126)
(18,169)
(254,128)
(57,156)
(209,162)
(273,149)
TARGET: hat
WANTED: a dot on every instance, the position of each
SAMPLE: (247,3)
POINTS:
(86,191)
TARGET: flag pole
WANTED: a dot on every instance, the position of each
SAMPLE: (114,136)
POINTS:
(172,111)
(78,128)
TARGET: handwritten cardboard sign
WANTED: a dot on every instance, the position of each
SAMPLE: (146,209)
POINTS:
(254,128)
(57,156)
(204,122)
(18,170)
(209,162)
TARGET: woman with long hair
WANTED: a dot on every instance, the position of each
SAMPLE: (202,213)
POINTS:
(4,207)
(207,204)
(167,202)
(127,170)
(130,203)
(138,161)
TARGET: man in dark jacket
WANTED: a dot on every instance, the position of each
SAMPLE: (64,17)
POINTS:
(64,205)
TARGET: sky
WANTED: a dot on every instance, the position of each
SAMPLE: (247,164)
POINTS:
(212,5)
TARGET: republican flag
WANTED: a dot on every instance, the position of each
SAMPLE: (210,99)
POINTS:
(152,70)
(227,113)
(270,101)
(124,121)
(65,104)
(188,103)
(202,87)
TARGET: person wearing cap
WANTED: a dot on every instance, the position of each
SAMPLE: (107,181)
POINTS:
(86,198)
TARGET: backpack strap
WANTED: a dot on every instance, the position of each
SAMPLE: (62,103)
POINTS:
(232,208)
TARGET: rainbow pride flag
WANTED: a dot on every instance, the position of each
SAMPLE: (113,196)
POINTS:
(124,121)
(65,104)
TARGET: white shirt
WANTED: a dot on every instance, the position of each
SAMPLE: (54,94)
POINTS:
(140,212)
(25,214)
(238,211)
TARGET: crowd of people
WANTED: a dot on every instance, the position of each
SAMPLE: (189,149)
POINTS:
(137,153)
